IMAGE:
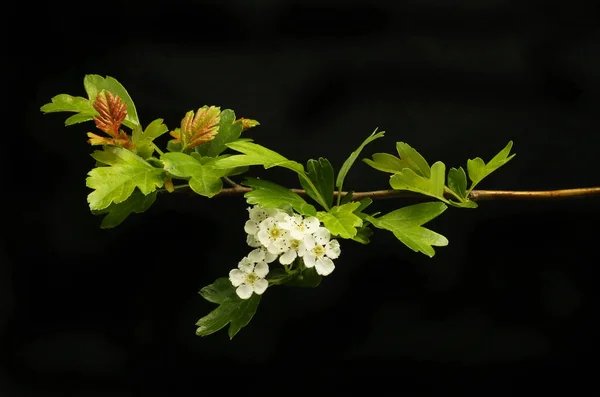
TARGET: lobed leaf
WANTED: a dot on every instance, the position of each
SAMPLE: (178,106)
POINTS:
(117,181)
(117,213)
(478,169)
(232,310)
(341,220)
(432,186)
(269,195)
(254,154)
(353,156)
(202,178)
(67,103)
(94,84)
(320,173)
(405,223)
(413,159)
(387,163)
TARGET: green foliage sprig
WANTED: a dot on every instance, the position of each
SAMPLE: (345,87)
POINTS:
(294,234)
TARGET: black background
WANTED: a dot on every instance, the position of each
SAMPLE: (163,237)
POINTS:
(85,311)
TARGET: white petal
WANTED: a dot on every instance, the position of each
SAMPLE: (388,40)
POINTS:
(256,255)
(309,259)
(332,249)
(269,257)
(309,242)
(251,227)
(274,249)
(266,224)
(288,257)
(252,241)
(279,215)
(261,269)
(237,277)
(244,291)
(324,266)
(264,237)
(301,250)
(322,235)
(287,223)
(260,286)
(297,234)
(312,224)
(246,266)
(258,214)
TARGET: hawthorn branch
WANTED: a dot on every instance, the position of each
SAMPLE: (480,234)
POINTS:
(476,195)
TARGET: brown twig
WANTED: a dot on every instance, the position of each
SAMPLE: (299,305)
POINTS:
(476,195)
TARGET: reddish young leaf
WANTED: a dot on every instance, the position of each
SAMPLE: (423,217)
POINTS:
(247,123)
(112,111)
(198,128)
(100,140)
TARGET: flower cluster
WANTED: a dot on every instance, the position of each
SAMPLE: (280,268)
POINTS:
(276,235)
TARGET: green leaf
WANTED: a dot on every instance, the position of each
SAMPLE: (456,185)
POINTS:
(67,103)
(79,118)
(143,140)
(117,213)
(269,195)
(202,178)
(363,235)
(94,83)
(232,309)
(229,131)
(254,154)
(320,172)
(341,220)
(478,169)
(413,159)
(387,163)
(115,183)
(432,186)
(174,146)
(457,182)
(352,158)
(406,223)
(364,203)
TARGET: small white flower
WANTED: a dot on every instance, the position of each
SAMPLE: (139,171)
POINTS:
(257,214)
(249,278)
(252,241)
(320,250)
(272,236)
(261,254)
(298,226)
(292,250)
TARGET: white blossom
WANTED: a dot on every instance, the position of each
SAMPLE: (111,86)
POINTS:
(256,214)
(298,226)
(294,248)
(249,277)
(320,250)
(272,236)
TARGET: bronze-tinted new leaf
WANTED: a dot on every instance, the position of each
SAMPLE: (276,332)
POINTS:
(247,123)
(112,111)
(200,127)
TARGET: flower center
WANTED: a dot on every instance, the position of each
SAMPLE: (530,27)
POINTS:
(251,278)
(275,233)
(319,251)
